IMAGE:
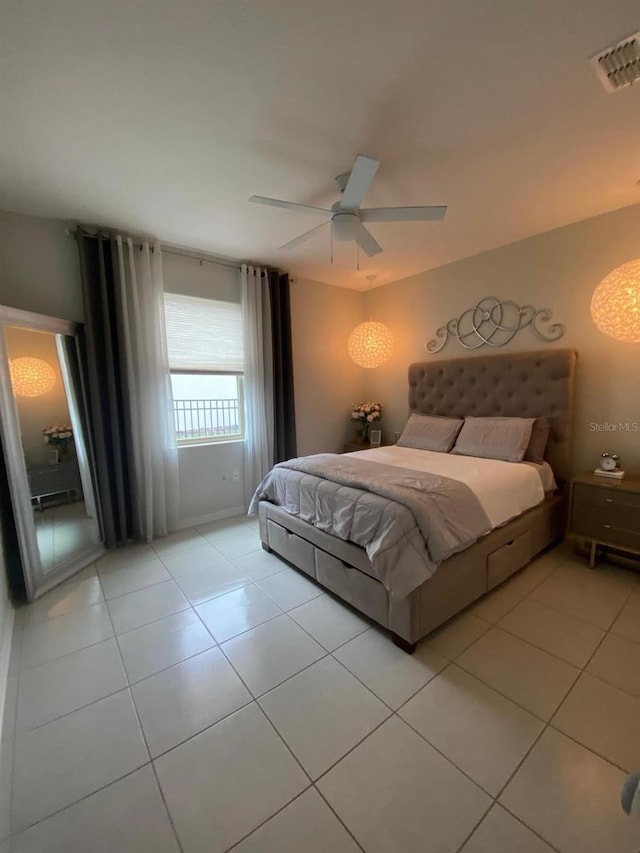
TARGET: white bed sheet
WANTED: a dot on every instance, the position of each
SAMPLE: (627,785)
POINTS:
(504,489)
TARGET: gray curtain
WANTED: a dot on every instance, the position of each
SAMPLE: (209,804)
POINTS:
(128,387)
(105,387)
(284,412)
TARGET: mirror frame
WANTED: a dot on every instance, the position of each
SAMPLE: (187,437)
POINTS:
(36,580)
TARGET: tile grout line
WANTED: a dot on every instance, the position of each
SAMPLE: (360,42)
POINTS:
(255,699)
(312,782)
(547,726)
(144,736)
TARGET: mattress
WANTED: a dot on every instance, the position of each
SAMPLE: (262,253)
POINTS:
(504,489)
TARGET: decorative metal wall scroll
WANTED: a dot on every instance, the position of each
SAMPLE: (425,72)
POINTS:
(493,322)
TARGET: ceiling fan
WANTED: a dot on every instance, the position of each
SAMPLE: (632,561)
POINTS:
(346,217)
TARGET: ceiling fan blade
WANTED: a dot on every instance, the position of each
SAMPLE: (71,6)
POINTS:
(289,205)
(303,237)
(367,242)
(363,172)
(402,214)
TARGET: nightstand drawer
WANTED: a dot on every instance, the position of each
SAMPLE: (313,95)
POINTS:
(616,527)
(616,516)
(600,496)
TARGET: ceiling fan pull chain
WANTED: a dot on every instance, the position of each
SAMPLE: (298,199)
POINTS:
(332,246)
(357,257)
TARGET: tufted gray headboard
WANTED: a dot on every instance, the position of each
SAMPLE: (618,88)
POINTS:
(517,385)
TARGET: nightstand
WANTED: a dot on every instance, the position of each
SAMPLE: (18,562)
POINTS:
(606,512)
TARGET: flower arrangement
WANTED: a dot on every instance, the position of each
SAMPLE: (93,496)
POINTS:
(57,434)
(364,415)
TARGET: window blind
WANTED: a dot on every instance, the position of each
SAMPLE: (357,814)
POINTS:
(203,334)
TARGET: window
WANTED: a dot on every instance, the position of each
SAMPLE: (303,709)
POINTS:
(204,342)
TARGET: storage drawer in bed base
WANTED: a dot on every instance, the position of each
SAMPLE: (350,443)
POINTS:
(463,578)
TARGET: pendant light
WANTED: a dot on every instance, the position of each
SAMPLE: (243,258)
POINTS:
(31,377)
(615,304)
(370,344)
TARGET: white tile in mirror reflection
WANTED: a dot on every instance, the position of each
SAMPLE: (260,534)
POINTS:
(160,644)
(53,638)
(186,698)
(238,611)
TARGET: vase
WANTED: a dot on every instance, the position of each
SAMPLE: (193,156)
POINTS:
(362,434)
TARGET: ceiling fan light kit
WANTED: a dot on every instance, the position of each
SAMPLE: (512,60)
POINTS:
(346,217)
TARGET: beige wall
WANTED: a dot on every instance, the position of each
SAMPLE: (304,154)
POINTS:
(557,270)
(39,267)
(326,381)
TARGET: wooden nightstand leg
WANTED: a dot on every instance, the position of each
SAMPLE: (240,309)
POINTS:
(592,555)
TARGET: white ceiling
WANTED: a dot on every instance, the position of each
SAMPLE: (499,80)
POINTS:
(164,116)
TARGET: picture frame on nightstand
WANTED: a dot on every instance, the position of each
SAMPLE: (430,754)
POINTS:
(375,437)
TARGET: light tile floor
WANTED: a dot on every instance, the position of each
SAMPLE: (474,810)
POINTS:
(200,695)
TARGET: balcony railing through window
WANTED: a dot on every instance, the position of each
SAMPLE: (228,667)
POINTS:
(202,419)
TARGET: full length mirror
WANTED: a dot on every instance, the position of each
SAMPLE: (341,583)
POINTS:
(47,456)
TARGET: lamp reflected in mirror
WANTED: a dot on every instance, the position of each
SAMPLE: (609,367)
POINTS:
(31,377)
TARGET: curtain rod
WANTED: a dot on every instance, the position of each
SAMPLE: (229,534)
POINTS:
(167,249)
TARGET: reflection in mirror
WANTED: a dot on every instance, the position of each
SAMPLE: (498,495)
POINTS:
(45,380)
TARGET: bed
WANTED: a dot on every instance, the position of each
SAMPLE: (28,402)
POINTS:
(525,385)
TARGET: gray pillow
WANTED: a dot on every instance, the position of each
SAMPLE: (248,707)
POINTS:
(495,438)
(430,432)
(538,441)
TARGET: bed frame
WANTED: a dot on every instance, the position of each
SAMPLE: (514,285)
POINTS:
(532,384)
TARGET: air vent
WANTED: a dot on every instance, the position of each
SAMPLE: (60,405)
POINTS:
(619,65)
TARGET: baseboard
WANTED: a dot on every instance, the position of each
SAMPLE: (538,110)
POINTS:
(5,657)
(212,516)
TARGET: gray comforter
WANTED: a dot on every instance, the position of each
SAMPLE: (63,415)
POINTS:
(407,521)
